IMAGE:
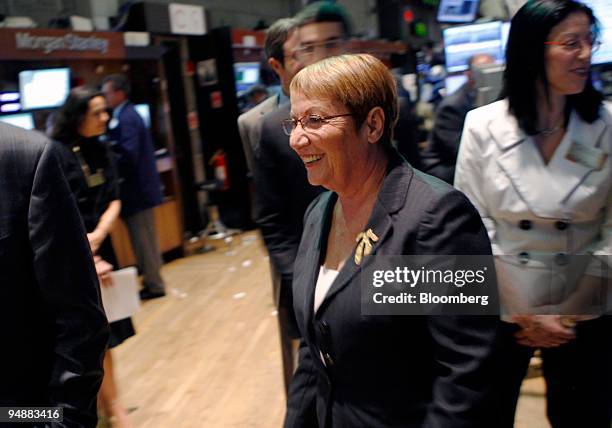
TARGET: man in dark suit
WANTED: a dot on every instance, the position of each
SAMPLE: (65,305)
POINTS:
(441,155)
(54,331)
(283,191)
(281,42)
(140,186)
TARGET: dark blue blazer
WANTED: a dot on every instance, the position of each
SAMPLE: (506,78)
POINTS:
(131,141)
(391,371)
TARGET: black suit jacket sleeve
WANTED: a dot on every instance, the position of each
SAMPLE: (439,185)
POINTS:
(463,345)
(448,126)
(446,133)
(64,270)
(301,399)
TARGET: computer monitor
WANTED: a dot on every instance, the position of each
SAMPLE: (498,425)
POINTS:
(246,74)
(23,120)
(452,83)
(488,80)
(145,112)
(603,11)
(462,42)
(46,88)
(457,11)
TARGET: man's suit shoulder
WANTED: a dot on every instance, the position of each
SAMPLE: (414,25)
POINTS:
(130,114)
(457,101)
(275,117)
(256,113)
(272,133)
(20,145)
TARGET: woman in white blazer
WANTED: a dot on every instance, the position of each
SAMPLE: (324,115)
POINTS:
(537,165)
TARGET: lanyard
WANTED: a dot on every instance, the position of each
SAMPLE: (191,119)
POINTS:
(93,180)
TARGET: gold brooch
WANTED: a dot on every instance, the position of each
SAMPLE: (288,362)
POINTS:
(364,244)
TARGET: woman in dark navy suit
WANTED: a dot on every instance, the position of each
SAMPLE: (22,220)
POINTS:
(376,371)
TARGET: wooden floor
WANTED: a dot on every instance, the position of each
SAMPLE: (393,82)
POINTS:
(208,355)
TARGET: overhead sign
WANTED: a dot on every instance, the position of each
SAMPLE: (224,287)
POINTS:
(45,44)
(187,19)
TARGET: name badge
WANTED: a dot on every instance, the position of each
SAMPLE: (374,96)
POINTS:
(591,157)
(94,180)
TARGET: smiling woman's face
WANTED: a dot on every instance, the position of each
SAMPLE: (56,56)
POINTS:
(331,152)
(567,69)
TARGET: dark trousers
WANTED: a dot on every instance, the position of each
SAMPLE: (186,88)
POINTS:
(287,324)
(143,236)
(578,376)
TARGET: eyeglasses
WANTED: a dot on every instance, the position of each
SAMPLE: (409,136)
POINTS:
(309,50)
(576,45)
(311,122)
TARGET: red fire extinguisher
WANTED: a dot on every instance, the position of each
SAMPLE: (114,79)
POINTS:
(219,163)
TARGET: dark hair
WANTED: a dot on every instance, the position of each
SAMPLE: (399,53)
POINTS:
(276,36)
(119,82)
(324,11)
(525,63)
(72,113)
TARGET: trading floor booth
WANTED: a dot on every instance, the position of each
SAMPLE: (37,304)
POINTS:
(38,68)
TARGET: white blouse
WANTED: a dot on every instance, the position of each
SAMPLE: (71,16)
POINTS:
(324,282)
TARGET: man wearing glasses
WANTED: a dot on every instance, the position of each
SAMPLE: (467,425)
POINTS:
(323,29)
(283,191)
(280,45)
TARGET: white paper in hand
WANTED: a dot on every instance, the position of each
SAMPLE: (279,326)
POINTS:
(121,299)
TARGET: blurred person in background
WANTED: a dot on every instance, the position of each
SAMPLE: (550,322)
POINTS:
(281,186)
(441,154)
(538,167)
(376,371)
(140,187)
(92,176)
(280,44)
(406,132)
(52,323)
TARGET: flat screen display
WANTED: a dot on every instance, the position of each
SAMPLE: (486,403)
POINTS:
(247,75)
(44,88)
(22,120)
(145,112)
(603,11)
(457,11)
(462,42)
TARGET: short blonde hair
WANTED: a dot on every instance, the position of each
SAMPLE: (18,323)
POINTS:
(360,82)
